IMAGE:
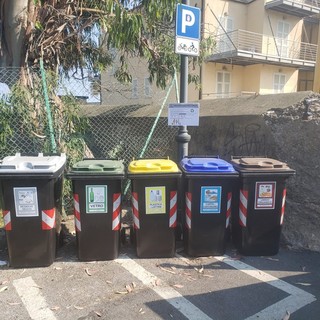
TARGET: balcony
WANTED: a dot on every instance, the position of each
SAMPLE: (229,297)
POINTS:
(299,8)
(241,47)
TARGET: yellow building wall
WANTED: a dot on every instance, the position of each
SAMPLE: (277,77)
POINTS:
(267,74)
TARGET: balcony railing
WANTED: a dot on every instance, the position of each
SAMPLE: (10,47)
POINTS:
(312,3)
(258,45)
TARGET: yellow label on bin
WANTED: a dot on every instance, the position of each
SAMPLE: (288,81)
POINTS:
(155,200)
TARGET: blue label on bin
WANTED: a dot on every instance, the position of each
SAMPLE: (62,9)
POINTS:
(210,200)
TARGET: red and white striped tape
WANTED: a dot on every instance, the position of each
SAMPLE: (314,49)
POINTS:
(188,209)
(243,208)
(48,219)
(135,210)
(283,206)
(173,209)
(7,220)
(77,221)
(228,213)
(116,211)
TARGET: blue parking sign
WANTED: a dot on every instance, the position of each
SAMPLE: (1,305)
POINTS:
(188,22)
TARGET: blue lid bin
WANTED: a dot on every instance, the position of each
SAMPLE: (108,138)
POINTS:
(209,184)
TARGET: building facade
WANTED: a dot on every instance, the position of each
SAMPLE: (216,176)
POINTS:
(261,46)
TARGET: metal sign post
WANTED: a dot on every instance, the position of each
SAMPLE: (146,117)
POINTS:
(187,43)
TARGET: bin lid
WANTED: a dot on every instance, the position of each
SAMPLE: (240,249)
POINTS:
(206,165)
(252,164)
(98,167)
(42,164)
(146,166)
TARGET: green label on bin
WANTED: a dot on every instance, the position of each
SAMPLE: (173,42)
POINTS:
(96,199)
(155,200)
(26,202)
(210,200)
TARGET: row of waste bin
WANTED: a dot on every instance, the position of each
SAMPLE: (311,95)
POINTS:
(201,196)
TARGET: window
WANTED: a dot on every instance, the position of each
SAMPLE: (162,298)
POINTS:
(223,84)
(135,93)
(283,29)
(147,87)
(226,25)
(279,81)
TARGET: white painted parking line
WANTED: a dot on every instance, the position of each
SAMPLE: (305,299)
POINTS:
(172,296)
(33,300)
(298,298)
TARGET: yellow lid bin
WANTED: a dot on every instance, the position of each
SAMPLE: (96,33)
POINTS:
(154,191)
(152,166)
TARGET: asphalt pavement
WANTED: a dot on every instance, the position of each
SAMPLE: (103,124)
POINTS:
(229,287)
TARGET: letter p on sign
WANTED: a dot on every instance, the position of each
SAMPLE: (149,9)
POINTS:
(188,20)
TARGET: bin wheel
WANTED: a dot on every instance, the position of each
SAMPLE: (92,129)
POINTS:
(132,235)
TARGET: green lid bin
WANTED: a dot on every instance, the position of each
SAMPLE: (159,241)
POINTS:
(97,186)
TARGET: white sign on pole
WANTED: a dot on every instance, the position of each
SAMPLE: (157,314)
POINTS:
(187,30)
(183,114)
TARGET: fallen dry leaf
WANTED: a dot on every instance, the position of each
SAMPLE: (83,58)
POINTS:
(173,268)
(109,282)
(87,272)
(158,282)
(128,287)
(191,279)
(4,288)
(121,292)
(179,286)
(78,308)
(54,308)
(14,303)
(98,314)
(133,285)
(304,284)
(167,270)
(199,270)
(287,316)
(141,311)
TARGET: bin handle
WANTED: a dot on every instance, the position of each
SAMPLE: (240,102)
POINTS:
(239,157)
(36,154)
(202,156)
(115,159)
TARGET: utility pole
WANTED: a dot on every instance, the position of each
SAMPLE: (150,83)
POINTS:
(183,137)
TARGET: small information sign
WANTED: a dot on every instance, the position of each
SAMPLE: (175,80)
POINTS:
(183,114)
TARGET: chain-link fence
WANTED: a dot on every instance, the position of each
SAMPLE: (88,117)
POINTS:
(106,119)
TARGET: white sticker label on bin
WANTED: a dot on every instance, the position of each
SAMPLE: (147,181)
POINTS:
(96,199)
(265,195)
(26,202)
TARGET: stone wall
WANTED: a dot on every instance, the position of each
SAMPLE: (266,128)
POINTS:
(279,133)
